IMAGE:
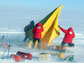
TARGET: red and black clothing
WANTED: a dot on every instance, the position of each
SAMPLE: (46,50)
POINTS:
(69,35)
(37,33)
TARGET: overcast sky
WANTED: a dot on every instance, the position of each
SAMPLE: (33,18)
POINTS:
(16,12)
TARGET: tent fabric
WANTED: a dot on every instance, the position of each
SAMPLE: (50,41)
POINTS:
(51,29)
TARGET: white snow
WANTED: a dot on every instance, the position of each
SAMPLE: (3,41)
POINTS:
(77,51)
(15,39)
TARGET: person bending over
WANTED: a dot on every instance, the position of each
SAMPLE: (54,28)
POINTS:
(69,35)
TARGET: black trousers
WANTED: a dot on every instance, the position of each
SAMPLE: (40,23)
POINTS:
(34,41)
(69,44)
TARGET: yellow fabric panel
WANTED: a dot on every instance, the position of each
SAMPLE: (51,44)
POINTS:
(51,30)
(55,31)
(31,42)
(36,44)
(29,45)
(51,19)
(48,23)
(50,34)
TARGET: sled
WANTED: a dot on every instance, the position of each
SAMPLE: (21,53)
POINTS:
(62,56)
(24,55)
(58,48)
(16,58)
(21,55)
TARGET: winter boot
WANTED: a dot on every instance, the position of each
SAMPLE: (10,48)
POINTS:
(71,45)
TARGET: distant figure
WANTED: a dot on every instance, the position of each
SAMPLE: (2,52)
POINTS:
(26,29)
(2,38)
(37,34)
(69,35)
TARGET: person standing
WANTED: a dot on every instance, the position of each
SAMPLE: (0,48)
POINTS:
(69,35)
(27,29)
(37,34)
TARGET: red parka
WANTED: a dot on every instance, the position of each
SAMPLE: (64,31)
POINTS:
(69,35)
(37,31)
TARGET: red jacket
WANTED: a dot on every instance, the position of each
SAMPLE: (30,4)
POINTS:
(69,35)
(37,31)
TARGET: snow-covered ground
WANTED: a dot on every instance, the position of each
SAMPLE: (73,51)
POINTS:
(12,29)
(16,39)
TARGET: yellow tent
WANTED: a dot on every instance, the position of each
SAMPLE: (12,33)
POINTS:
(50,25)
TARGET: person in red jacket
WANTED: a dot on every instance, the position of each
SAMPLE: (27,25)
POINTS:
(69,35)
(37,34)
